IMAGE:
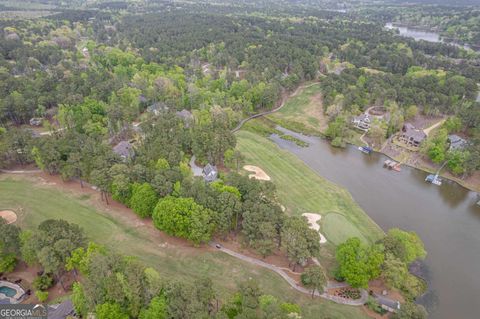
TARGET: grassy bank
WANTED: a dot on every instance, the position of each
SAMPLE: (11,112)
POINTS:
(301,190)
(34,200)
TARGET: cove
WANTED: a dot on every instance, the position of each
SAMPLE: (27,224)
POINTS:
(446,218)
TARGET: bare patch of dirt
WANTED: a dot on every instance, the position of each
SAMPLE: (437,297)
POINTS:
(258,173)
(9,216)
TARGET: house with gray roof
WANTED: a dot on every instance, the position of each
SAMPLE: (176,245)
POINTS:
(456,142)
(61,311)
(157,108)
(388,304)
(186,115)
(124,149)
(362,122)
(210,173)
(411,135)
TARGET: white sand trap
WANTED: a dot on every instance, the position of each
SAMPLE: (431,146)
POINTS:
(259,173)
(313,220)
(9,216)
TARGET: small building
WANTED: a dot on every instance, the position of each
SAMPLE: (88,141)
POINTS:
(412,136)
(124,149)
(61,311)
(362,122)
(210,173)
(388,304)
(186,115)
(157,108)
(36,121)
(456,142)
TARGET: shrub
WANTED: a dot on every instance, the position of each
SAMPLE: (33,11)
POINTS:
(42,282)
(41,295)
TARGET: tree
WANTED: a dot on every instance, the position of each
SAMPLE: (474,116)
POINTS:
(358,264)
(411,112)
(79,300)
(144,199)
(406,246)
(7,262)
(157,309)
(395,271)
(42,296)
(301,242)
(184,218)
(110,311)
(314,278)
(409,310)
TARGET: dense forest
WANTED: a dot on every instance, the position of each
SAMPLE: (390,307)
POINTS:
(125,95)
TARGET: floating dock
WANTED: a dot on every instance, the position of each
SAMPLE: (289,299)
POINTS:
(434,179)
(392,165)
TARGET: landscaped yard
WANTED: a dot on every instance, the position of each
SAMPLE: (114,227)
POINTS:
(301,190)
(35,200)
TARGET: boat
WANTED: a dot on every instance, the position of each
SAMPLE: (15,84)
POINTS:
(397,167)
(365,149)
(434,179)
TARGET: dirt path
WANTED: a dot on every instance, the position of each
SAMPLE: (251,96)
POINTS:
(429,129)
(293,283)
(284,99)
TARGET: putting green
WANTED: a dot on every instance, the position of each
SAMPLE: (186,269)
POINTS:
(338,229)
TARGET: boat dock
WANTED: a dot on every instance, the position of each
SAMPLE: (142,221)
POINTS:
(392,165)
(434,179)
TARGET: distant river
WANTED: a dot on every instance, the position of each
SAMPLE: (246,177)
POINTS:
(446,218)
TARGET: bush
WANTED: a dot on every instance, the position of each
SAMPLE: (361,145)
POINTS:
(338,142)
(7,262)
(41,295)
(373,305)
(143,200)
(42,282)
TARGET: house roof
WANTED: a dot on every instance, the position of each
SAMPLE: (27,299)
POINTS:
(124,149)
(388,302)
(186,114)
(411,132)
(61,311)
(362,117)
(158,106)
(456,142)
(210,172)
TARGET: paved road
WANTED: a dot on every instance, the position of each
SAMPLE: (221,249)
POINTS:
(33,171)
(293,283)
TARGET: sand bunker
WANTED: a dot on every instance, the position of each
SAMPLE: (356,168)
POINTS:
(8,215)
(259,173)
(313,220)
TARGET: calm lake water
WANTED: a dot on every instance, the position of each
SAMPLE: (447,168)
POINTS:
(446,218)
(421,35)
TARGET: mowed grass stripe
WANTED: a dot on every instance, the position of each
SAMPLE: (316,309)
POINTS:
(35,203)
(301,190)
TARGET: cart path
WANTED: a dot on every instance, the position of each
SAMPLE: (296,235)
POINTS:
(282,104)
(293,283)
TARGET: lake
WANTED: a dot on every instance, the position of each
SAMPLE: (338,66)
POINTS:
(446,218)
(421,35)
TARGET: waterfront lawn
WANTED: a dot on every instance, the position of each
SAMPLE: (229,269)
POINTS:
(35,201)
(301,190)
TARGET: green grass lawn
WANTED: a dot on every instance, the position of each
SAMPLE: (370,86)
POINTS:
(303,113)
(35,202)
(301,190)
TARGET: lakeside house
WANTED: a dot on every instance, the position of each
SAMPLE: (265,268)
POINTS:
(411,135)
(456,142)
(210,173)
(388,304)
(362,122)
(124,149)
